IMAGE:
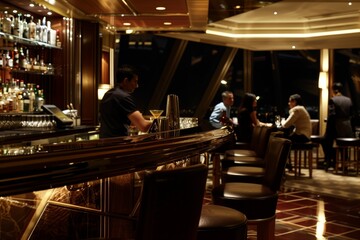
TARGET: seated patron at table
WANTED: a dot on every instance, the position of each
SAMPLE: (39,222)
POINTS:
(298,120)
(220,116)
(247,118)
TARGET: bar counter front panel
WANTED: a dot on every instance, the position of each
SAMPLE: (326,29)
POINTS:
(87,189)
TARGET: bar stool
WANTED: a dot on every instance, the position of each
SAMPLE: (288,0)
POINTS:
(302,152)
(219,222)
(347,153)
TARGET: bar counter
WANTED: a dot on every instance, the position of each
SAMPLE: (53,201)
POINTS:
(56,165)
(23,135)
(89,188)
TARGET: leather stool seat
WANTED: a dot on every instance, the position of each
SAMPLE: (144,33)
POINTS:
(247,196)
(347,153)
(219,222)
(243,174)
(348,142)
(229,161)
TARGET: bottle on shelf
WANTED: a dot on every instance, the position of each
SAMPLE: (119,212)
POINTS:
(6,24)
(2,103)
(31,97)
(9,60)
(22,59)
(16,57)
(39,100)
(38,32)
(25,29)
(28,61)
(18,26)
(20,100)
(32,29)
(1,59)
(44,31)
(58,41)
(26,99)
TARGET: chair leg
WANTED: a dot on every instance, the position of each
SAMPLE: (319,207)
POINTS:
(265,229)
(310,162)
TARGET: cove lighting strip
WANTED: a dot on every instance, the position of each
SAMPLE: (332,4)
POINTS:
(282,35)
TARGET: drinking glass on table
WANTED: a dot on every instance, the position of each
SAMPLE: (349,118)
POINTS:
(278,121)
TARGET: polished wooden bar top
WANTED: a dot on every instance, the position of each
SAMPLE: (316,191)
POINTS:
(71,163)
(22,135)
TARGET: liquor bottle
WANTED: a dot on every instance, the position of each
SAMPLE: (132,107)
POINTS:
(31,97)
(20,100)
(9,60)
(39,99)
(38,36)
(26,100)
(25,29)
(22,59)
(48,32)
(6,26)
(58,40)
(18,26)
(15,26)
(32,29)
(44,32)
(16,57)
(28,61)
(2,103)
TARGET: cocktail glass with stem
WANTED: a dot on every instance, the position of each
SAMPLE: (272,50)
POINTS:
(156,113)
(155,127)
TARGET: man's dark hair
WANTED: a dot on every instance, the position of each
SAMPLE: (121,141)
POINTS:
(297,98)
(125,71)
(337,87)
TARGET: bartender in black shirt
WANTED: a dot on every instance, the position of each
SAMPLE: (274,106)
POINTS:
(118,109)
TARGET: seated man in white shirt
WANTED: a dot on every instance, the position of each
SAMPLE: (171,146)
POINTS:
(221,113)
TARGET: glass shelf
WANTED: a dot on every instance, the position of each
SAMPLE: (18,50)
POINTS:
(26,41)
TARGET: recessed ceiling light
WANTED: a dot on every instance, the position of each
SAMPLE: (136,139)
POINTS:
(167,23)
(293,47)
(32,5)
(237,7)
(160,8)
(126,24)
(350,3)
(275,13)
(49,13)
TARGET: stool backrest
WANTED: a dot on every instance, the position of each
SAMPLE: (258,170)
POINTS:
(262,142)
(171,203)
(275,161)
(255,137)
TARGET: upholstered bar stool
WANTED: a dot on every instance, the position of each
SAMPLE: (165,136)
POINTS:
(219,222)
(303,156)
(258,201)
(347,154)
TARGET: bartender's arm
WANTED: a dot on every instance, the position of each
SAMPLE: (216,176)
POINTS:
(139,121)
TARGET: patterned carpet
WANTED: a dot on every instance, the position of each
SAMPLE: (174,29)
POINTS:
(326,183)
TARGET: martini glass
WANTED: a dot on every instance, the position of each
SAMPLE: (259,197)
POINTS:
(155,126)
(156,113)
